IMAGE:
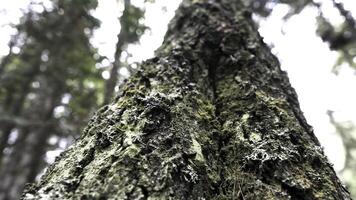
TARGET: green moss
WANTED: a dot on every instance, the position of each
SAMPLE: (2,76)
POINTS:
(205,110)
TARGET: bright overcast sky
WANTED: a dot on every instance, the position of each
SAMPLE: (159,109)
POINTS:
(303,55)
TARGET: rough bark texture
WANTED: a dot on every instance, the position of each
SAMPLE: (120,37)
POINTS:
(211,117)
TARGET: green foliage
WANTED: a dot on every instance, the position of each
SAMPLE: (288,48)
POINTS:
(52,79)
(50,76)
(265,7)
(346,130)
(340,37)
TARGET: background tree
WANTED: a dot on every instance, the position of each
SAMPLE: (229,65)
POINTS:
(346,130)
(340,37)
(212,116)
(52,77)
(52,85)
(130,32)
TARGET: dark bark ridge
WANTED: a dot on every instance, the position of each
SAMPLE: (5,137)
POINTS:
(211,117)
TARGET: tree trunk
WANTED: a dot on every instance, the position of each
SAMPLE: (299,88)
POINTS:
(15,104)
(10,173)
(123,39)
(111,83)
(211,117)
(27,156)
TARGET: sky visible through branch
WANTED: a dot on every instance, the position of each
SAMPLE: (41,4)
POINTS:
(303,55)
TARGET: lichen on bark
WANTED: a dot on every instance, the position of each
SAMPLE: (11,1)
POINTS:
(212,116)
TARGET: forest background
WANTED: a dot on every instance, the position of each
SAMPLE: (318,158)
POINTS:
(62,60)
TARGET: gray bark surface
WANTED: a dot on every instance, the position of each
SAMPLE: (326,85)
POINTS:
(211,117)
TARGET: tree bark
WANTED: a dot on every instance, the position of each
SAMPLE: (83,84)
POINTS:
(211,117)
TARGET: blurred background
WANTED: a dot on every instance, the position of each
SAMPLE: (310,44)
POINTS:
(60,60)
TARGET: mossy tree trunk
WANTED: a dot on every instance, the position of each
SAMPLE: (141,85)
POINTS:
(211,117)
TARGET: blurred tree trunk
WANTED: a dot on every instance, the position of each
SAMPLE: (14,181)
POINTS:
(14,103)
(55,58)
(27,156)
(211,117)
(9,170)
(112,81)
(130,32)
